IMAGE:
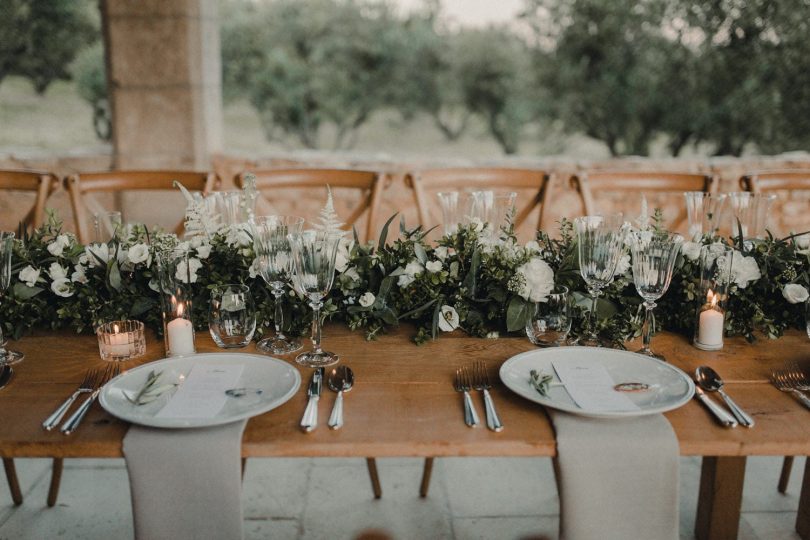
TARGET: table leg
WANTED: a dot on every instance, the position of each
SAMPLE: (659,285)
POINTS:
(13,482)
(720,498)
(56,479)
(803,517)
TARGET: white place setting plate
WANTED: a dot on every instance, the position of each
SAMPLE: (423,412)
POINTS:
(277,380)
(669,387)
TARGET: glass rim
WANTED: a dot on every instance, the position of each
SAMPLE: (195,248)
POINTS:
(124,326)
(224,286)
(281,217)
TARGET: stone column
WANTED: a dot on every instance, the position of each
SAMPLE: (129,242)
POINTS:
(164,71)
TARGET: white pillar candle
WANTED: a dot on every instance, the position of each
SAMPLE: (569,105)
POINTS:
(118,343)
(710,326)
(180,334)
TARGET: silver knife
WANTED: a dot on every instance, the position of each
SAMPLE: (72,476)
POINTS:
(722,416)
(5,375)
(310,419)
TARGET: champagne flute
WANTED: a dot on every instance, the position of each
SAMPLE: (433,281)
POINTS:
(313,273)
(654,254)
(271,245)
(600,243)
(7,357)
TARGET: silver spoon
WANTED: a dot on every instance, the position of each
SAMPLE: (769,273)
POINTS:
(340,380)
(709,380)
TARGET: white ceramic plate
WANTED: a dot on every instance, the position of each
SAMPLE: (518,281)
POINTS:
(277,379)
(671,387)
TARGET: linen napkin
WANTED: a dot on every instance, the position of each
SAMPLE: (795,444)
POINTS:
(617,478)
(186,483)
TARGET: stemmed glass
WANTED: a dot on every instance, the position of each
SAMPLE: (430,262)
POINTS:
(7,357)
(271,245)
(654,254)
(600,243)
(313,273)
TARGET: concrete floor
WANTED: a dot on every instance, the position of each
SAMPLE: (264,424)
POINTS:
(470,498)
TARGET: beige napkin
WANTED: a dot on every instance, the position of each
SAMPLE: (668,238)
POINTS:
(186,483)
(617,478)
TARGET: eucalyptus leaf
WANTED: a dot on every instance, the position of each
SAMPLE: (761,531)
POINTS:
(470,279)
(115,276)
(517,313)
(384,232)
(420,252)
(24,292)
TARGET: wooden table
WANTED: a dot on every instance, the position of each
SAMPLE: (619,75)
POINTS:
(403,404)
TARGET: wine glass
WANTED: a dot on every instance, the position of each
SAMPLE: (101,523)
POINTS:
(7,357)
(551,320)
(703,211)
(600,243)
(654,254)
(492,209)
(271,245)
(313,273)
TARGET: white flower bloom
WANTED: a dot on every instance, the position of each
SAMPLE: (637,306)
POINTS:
(61,287)
(253,271)
(405,280)
(352,274)
(367,299)
(448,320)
(795,293)
(477,223)
(95,252)
(56,271)
(139,253)
(744,270)
(78,275)
(538,280)
(803,241)
(623,265)
(533,247)
(29,275)
(691,250)
(412,269)
(343,254)
(441,252)
(434,266)
(204,251)
(57,247)
(493,335)
(187,272)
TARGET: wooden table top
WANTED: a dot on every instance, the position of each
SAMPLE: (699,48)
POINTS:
(403,403)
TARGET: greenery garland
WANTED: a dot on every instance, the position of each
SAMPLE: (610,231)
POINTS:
(465,281)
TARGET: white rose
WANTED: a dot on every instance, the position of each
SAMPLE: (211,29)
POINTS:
(441,252)
(204,251)
(623,265)
(412,269)
(78,275)
(57,247)
(352,274)
(448,320)
(343,254)
(538,280)
(533,247)
(96,252)
(434,266)
(187,272)
(61,287)
(29,275)
(138,253)
(56,271)
(795,293)
(405,280)
(803,241)
(744,270)
(367,299)
(691,250)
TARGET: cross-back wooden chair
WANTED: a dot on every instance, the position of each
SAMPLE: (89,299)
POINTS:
(638,182)
(426,183)
(82,187)
(40,183)
(369,183)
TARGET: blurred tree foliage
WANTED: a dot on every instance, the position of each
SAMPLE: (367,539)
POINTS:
(91,82)
(40,38)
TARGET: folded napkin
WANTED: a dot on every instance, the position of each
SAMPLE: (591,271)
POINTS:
(617,478)
(186,483)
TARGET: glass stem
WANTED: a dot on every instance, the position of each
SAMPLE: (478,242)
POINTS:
(592,315)
(648,328)
(316,327)
(278,318)
(2,342)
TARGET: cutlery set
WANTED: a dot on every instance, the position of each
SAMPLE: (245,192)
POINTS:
(341,380)
(475,377)
(793,380)
(708,380)
(94,379)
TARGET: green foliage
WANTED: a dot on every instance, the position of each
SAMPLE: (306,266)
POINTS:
(91,81)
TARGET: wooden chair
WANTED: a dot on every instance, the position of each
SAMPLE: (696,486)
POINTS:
(639,182)
(41,184)
(426,183)
(81,188)
(370,184)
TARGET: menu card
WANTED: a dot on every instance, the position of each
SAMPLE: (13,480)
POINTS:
(590,385)
(202,393)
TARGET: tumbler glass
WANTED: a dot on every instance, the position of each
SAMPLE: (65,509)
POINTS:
(551,321)
(232,316)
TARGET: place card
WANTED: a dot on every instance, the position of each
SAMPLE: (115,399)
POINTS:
(591,387)
(202,393)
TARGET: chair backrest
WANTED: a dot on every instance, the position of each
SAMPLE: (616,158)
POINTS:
(787,180)
(41,184)
(426,183)
(369,184)
(81,188)
(792,187)
(639,182)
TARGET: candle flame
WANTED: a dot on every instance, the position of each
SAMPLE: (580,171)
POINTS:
(711,298)
(180,309)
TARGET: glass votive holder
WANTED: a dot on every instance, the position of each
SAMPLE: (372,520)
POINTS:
(119,341)
(550,323)
(174,279)
(232,316)
(715,279)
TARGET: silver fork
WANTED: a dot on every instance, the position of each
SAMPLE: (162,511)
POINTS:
(73,422)
(798,378)
(781,380)
(462,384)
(87,386)
(481,383)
